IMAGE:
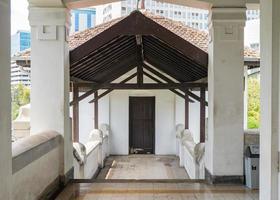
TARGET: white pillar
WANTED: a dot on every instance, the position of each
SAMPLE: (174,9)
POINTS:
(270,91)
(5,101)
(224,143)
(50,75)
(245,97)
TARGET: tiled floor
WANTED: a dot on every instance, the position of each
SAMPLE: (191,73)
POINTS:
(142,167)
(154,191)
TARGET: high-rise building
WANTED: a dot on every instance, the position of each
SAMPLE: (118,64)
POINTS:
(20,75)
(82,19)
(20,41)
(196,18)
(253,14)
(193,17)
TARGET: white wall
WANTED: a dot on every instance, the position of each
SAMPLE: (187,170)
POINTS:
(165,120)
(114,110)
(194,115)
(86,119)
(119,122)
(86,115)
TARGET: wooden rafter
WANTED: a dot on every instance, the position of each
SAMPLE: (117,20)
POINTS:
(147,86)
(163,77)
(172,90)
(138,24)
(110,90)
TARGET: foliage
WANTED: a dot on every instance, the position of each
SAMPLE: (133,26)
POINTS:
(253,103)
(20,97)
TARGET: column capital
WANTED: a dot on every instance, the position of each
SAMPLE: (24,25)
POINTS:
(49,16)
(226,15)
(47,20)
(229,21)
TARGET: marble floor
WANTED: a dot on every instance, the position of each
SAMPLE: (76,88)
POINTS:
(142,167)
(155,191)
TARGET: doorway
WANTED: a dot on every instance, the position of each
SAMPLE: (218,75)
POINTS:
(142,125)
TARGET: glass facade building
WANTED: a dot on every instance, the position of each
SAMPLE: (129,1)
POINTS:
(82,19)
(20,41)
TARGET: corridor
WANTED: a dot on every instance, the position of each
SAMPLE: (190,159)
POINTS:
(142,167)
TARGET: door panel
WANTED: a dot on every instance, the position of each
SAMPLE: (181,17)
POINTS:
(141,124)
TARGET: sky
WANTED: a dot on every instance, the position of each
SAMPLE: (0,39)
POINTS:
(19,15)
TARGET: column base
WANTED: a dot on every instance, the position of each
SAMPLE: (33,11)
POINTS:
(212,179)
(64,180)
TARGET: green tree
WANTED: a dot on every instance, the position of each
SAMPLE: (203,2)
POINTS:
(253,103)
(20,97)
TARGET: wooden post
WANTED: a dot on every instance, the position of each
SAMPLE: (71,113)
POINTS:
(140,75)
(187,110)
(202,114)
(96,110)
(75,120)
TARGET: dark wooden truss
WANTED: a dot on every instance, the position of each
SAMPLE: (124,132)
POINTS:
(137,42)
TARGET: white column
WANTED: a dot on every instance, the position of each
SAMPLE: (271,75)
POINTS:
(5,101)
(245,97)
(50,75)
(270,91)
(224,142)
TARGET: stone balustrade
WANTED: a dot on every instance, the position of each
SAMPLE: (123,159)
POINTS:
(89,157)
(191,154)
(37,166)
(21,125)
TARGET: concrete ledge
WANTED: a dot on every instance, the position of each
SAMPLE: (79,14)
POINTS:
(212,179)
(29,149)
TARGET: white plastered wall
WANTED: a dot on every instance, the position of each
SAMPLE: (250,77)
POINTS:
(114,110)
(194,115)
(164,120)
(86,115)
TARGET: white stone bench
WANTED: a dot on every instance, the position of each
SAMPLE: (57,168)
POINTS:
(191,155)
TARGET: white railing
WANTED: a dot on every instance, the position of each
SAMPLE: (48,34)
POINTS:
(191,154)
(88,158)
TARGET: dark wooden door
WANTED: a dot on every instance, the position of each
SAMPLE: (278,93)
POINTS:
(142,124)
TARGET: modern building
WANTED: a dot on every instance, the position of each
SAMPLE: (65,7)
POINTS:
(193,17)
(20,68)
(253,14)
(252,34)
(20,41)
(20,75)
(82,19)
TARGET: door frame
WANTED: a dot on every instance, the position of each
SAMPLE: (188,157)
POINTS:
(153,98)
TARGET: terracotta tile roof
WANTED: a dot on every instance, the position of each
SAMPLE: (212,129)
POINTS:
(81,37)
(194,36)
(23,55)
(251,53)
